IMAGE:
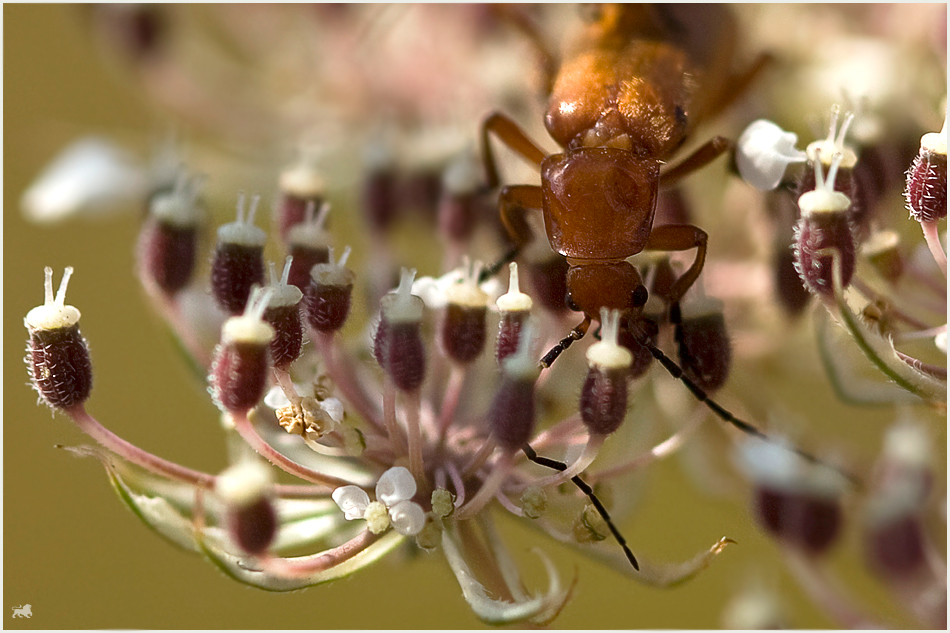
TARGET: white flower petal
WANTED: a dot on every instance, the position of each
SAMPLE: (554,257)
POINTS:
(91,177)
(763,152)
(353,500)
(408,518)
(334,409)
(395,485)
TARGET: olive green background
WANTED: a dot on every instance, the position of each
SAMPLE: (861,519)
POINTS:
(82,560)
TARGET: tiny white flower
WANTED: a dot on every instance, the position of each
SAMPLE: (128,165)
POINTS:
(393,505)
(353,500)
(763,153)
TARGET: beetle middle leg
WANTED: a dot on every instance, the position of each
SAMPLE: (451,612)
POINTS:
(702,156)
(508,132)
(514,204)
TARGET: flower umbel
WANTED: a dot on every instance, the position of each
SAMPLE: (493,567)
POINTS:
(370,408)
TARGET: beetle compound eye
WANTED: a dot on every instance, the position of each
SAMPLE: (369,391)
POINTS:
(638,298)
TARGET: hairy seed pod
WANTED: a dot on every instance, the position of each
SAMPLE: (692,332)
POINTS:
(705,353)
(809,522)
(463,330)
(238,260)
(603,402)
(548,280)
(301,187)
(460,203)
(57,355)
(511,416)
(283,314)
(169,239)
(796,502)
(251,519)
(926,190)
(327,298)
(398,341)
(241,364)
(515,308)
(824,228)
(309,244)
(894,545)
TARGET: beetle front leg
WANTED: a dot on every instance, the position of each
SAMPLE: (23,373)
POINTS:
(680,237)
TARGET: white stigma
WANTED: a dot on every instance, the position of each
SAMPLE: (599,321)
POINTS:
(54,313)
(242,231)
(824,199)
(514,300)
(283,293)
(608,353)
(250,327)
(834,144)
(401,305)
(465,292)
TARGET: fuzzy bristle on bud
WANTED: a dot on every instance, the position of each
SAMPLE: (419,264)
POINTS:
(327,299)
(515,308)
(926,190)
(705,353)
(397,344)
(57,355)
(239,370)
(463,330)
(238,260)
(309,245)
(824,226)
(511,416)
(169,239)
(283,314)
(603,402)
(301,186)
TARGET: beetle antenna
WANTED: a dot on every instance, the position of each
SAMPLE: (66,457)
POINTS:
(490,271)
(584,487)
(726,416)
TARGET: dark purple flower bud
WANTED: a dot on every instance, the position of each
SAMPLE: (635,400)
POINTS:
(238,260)
(250,516)
(882,250)
(515,308)
(169,239)
(893,532)
(547,276)
(824,228)
(301,186)
(58,356)
(511,415)
(139,31)
(327,298)
(797,502)
(603,403)
(459,204)
(463,330)
(309,245)
(705,353)
(398,342)
(845,182)
(380,196)
(633,330)
(926,191)
(241,363)
(283,314)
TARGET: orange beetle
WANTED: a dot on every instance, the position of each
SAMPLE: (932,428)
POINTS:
(625,99)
